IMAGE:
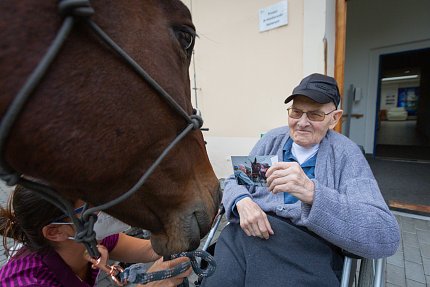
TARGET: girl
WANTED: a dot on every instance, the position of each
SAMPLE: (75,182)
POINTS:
(50,257)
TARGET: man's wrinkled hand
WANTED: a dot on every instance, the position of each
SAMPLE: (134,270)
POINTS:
(290,177)
(253,220)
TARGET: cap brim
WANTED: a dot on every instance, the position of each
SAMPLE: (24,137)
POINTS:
(311,94)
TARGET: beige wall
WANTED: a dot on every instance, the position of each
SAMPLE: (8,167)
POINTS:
(243,76)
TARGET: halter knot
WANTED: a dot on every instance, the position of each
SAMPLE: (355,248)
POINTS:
(197,121)
(77,8)
(86,232)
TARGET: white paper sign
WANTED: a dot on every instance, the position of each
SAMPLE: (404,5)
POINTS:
(274,16)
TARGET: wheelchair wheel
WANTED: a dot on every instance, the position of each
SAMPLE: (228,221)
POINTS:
(366,275)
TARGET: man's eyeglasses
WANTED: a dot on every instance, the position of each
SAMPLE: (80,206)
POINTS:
(315,116)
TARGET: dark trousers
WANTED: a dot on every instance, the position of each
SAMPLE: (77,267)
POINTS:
(291,257)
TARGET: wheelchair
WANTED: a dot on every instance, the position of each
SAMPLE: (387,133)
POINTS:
(370,271)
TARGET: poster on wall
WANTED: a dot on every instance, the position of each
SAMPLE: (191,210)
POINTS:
(408,98)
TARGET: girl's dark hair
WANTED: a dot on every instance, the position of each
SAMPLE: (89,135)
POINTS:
(24,217)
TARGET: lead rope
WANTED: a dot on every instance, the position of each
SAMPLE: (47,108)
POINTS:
(136,273)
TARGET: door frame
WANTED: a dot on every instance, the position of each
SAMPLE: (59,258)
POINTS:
(339,53)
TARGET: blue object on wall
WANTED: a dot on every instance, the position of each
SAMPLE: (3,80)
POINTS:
(408,98)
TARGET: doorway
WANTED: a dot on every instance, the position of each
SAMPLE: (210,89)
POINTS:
(403,111)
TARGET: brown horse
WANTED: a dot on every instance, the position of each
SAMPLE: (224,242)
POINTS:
(93,126)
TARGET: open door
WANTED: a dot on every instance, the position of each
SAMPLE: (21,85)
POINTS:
(404,108)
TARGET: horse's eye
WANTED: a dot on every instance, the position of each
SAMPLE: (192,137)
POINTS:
(186,38)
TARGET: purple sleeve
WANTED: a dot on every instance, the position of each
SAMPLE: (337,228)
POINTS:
(110,242)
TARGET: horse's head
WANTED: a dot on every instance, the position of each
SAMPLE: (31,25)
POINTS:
(255,166)
(93,126)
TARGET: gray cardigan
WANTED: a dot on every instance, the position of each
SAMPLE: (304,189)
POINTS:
(348,208)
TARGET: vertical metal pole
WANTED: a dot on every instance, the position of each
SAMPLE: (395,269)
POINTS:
(194,67)
(350,100)
(195,80)
(347,263)
(379,269)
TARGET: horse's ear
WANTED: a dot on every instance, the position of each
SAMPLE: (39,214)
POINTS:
(255,161)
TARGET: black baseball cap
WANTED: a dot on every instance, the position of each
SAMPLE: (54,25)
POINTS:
(320,88)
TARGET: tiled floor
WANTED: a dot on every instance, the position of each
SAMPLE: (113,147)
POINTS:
(409,267)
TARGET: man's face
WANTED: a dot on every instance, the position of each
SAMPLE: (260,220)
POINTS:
(307,133)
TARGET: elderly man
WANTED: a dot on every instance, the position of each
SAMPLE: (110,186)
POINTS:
(320,199)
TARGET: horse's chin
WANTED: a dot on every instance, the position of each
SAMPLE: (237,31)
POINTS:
(185,237)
